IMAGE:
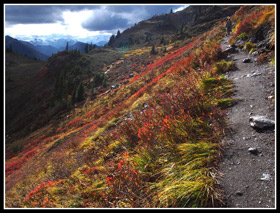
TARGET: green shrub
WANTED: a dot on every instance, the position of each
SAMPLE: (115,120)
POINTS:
(272,63)
(248,46)
(252,50)
(223,66)
(225,103)
(243,36)
(210,82)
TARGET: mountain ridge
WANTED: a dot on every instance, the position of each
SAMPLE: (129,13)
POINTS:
(24,48)
(169,24)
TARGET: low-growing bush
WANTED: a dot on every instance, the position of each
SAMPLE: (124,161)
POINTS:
(224,66)
(225,103)
(243,36)
(248,46)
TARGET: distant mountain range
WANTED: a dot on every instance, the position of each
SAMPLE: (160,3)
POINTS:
(42,49)
(59,44)
(59,41)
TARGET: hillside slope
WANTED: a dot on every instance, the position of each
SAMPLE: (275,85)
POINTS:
(150,136)
(180,25)
(24,90)
(33,97)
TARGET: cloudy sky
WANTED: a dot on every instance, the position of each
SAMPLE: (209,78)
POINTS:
(77,20)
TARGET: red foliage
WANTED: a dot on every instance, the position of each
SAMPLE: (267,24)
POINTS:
(90,129)
(90,114)
(125,179)
(34,142)
(247,24)
(58,130)
(168,57)
(40,191)
(9,155)
(159,62)
(75,123)
(175,67)
(38,188)
(18,163)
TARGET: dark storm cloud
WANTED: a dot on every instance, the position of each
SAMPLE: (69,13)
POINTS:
(31,14)
(35,14)
(106,21)
(104,17)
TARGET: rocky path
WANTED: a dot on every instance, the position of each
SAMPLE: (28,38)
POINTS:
(248,164)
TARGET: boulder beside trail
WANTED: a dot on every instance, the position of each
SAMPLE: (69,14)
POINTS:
(246,60)
(230,50)
(261,122)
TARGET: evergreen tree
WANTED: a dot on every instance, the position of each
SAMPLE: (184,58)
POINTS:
(73,97)
(93,90)
(171,11)
(182,29)
(80,92)
(162,40)
(76,52)
(86,48)
(111,41)
(118,34)
(90,46)
(98,79)
(104,81)
(60,85)
(153,51)
(65,89)
(130,40)
(66,46)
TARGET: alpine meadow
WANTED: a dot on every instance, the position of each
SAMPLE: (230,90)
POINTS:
(140,122)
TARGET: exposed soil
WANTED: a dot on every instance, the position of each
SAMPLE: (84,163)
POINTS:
(241,171)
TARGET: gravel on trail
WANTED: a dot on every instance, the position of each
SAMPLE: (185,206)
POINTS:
(247,167)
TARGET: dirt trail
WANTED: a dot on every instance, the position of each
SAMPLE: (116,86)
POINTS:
(241,171)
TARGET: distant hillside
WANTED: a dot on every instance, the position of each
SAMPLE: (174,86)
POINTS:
(33,88)
(46,49)
(183,24)
(79,46)
(24,48)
